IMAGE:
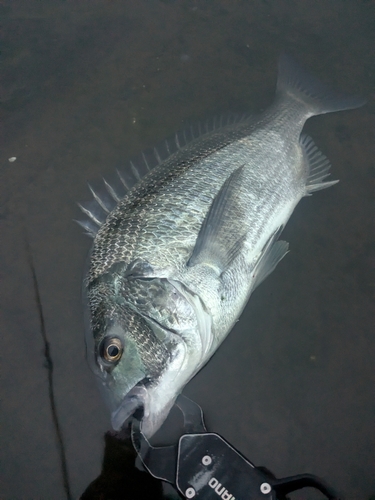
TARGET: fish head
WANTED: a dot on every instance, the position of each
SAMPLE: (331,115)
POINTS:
(145,351)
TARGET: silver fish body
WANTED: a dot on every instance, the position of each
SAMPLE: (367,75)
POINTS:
(175,261)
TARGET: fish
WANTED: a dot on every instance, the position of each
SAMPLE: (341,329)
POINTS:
(186,236)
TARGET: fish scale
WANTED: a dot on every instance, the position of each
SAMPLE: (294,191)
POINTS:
(180,190)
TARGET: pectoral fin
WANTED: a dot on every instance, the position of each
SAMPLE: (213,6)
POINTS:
(212,247)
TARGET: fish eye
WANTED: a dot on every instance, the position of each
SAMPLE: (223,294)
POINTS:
(111,349)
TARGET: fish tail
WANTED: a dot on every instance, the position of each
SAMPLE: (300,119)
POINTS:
(297,84)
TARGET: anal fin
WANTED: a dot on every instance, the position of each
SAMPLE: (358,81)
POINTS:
(318,166)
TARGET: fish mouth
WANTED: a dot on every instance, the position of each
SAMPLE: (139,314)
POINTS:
(133,401)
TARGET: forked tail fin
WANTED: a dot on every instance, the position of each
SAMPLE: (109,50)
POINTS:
(295,83)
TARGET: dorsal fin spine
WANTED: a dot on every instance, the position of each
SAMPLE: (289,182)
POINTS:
(135,171)
(146,163)
(159,160)
(98,200)
(111,191)
(122,180)
(89,214)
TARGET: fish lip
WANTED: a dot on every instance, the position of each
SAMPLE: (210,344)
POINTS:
(134,400)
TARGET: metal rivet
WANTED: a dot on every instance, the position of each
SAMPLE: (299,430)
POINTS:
(190,493)
(206,460)
(265,488)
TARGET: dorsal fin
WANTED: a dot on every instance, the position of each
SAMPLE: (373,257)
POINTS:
(115,189)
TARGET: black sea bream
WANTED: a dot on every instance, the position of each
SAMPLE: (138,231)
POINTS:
(176,257)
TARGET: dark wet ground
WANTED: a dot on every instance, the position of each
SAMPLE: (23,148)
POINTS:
(86,85)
